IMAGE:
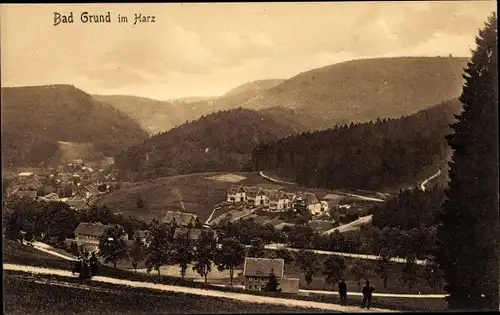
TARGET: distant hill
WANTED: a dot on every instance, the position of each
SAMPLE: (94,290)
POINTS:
(158,116)
(222,141)
(352,91)
(254,86)
(380,155)
(363,90)
(35,118)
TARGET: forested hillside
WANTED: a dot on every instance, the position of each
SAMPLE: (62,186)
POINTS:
(376,155)
(363,90)
(222,141)
(35,118)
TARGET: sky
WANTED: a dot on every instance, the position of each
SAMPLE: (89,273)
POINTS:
(206,49)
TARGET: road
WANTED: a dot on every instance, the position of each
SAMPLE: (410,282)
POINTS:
(47,248)
(249,298)
(211,215)
(324,252)
(422,186)
(347,194)
(275,180)
(351,225)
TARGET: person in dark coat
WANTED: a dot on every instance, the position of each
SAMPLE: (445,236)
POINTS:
(367,294)
(343,292)
(77,266)
(94,264)
(85,272)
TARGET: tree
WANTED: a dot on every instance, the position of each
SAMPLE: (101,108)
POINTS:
(333,269)
(360,270)
(183,252)
(73,247)
(410,271)
(113,245)
(272,284)
(284,254)
(256,248)
(467,249)
(204,253)
(137,252)
(433,274)
(159,249)
(229,255)
(308,263)
(382,269)
(140,203)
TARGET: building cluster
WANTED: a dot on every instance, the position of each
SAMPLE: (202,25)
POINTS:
(275,199)
(76,184)
(256,272)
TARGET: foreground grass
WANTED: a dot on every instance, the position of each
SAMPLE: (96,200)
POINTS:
(15,253)
(22,295)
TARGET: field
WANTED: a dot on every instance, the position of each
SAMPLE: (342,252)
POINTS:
(194,193)
(22,295)
(15,253)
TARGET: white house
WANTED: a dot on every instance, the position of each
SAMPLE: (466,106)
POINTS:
(236,194)
(255,196)
(278,201)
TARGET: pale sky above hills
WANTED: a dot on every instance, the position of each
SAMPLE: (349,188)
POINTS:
(208,49)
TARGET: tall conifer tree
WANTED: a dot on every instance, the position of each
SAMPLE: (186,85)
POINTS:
(469,229)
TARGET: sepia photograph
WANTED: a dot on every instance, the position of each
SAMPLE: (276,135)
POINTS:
(271,157)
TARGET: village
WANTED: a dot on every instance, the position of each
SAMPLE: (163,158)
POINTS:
(80,185)
(77,183)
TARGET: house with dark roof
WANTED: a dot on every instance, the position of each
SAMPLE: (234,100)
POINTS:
(142,235)
(193,234)
(278,201)
(25,193)
(255,196)
(182,219)
(78,203)
(236,194)
(256,272)
(309,201)
(270,187)
(89,233)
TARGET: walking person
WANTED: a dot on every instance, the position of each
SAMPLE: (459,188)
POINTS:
(343,292)
(94,264)
(77,266)
(367,294)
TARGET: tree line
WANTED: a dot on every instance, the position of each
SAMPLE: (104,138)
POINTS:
(374,155)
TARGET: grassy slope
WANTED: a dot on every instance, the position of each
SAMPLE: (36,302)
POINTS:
(20,254)
(199,194)
(24,296)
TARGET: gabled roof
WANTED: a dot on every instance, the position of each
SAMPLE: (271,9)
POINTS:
(270,186)
(308,197)
(181,218)
(252,192)
(141,233)
(77,203)
(261,267)
(93,229)
(275,195)
(290,196)
(194,234)
(235,189)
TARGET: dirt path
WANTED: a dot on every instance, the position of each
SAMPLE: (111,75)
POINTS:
(201,292)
